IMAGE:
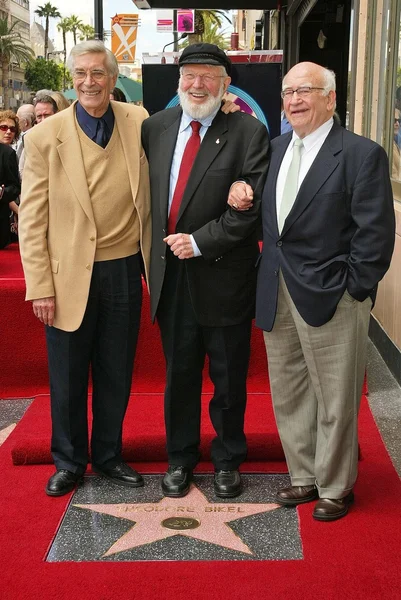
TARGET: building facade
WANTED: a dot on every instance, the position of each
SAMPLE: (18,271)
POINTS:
(17,10)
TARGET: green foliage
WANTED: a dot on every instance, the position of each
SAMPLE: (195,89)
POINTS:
(206,19)
(68,78)
(12,49)
(44,74)
(87,32)
(212,34)
(75,24)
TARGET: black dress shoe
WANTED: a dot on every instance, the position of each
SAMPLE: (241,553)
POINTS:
(227,484)
(296,494)
(327,509)
(176,481)
(121,474)
(62,482)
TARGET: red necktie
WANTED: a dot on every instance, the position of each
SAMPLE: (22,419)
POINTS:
(188,158)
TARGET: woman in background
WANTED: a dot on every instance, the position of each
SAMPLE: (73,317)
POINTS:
(117,94)
(9,176)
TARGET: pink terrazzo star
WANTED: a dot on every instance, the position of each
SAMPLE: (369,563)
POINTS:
(209,519)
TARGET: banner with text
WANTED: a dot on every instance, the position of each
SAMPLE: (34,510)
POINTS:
(124,29)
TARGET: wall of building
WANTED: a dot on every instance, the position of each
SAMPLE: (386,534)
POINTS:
(375,69)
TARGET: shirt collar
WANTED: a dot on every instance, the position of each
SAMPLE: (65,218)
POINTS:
(205,122)
(90,123)
(310,140)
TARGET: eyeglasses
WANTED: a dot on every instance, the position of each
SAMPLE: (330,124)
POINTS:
(302,92)
(96,74)
(190,77)
(395,121)
(13,129)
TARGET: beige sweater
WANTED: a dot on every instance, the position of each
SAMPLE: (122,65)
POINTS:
(115,216)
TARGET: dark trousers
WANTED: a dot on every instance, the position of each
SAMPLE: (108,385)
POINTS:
(106,343)
(185,345)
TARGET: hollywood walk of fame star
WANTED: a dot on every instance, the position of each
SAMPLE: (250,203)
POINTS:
(209,519)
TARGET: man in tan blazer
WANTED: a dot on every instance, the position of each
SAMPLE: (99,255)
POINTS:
(84,224)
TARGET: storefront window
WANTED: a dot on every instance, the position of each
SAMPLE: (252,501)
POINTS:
(395,134)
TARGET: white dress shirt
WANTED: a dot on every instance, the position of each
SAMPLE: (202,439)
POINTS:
(184,134)
(312,144)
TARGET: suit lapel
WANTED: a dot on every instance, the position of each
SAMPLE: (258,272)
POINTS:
(71,158)
(322,167)
(127,130)
(212,144)
(168,139)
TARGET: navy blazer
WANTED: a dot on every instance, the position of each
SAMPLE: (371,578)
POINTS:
(339,234)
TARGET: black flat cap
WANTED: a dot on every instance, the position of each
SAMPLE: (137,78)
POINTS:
(205,54)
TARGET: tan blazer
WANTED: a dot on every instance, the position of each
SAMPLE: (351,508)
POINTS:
(57,231)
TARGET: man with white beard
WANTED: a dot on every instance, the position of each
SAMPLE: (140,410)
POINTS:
(202,276)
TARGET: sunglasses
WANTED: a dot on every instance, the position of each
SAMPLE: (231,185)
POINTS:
(13,129)
(397,121)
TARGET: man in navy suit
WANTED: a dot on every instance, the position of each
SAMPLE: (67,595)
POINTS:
(328,237)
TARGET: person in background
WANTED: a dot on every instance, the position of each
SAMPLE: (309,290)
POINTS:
(9,178)
(328,237)
(45,106)
(60,100)
(117,94)
(26,118)
(84,226)
(202,276)
(9,135)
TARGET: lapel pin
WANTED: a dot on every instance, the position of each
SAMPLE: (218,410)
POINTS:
(217,141)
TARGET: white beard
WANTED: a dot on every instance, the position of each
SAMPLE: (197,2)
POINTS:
(200,111)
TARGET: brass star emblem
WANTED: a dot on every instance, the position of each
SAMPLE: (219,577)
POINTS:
(193,517)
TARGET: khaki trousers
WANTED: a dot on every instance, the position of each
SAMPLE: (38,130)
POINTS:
(316,377)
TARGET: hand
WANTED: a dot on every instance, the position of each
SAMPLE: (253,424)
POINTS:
(180,244)
(240,196)
(229,107)
(43,309)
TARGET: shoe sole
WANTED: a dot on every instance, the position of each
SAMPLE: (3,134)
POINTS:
(117,482)
(291,503)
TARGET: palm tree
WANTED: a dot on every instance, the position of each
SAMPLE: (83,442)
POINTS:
(212,34)
(64,27)
(12,49)
(87,32)
(214,16)
(48,12)
(75,26)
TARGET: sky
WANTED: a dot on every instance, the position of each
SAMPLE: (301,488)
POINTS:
(148,40)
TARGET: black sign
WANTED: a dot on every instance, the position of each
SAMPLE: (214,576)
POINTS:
(254,86)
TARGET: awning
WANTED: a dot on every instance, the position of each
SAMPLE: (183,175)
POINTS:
(217,4)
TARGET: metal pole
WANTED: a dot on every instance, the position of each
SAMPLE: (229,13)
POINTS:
(99,19)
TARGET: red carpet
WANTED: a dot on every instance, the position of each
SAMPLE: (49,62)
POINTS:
(144,436)
(23,360)
(357,557)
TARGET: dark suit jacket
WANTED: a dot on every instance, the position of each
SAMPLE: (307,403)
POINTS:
(9,177)
(339,234)
(222,281)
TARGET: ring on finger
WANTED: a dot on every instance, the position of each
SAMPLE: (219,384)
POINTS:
(235,205)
